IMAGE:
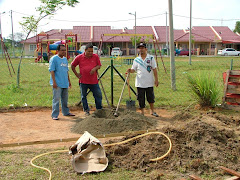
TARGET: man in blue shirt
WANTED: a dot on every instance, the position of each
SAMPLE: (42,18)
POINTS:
(60,81)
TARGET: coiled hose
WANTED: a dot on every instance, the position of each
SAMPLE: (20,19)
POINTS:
(107,145)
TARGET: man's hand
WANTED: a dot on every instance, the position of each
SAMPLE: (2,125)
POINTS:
(55,85)
(156,83)
(130,70)
(78,75)
(92,71)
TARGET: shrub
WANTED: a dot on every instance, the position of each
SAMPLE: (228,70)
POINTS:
(205,89)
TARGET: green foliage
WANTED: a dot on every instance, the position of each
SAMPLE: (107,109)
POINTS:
(29,24)
(47,8)
(237,27)
(14,88)
(153,51)
(204,87)
(18,36)
(105,51)
(192,41)
(138,40)
(146,40)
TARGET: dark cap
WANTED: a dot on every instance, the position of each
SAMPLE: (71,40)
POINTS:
(142,45)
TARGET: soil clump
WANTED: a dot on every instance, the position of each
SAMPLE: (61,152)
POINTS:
(200,146)
(104,122)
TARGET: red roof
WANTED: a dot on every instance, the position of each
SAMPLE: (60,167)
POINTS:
(94,33)
(226,34)
(83,33)
(178,33)
(161,33)
(195,37)
(205,31)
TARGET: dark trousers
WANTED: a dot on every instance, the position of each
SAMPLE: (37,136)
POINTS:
(141,93)
(97,94)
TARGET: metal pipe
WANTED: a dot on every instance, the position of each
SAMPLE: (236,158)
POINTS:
(1,32)
(12,36)
(171,44)
(135,33)
(135,38)
(166,36)
(112,82)
(190,35)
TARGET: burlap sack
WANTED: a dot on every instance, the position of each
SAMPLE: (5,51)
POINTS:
(88,154)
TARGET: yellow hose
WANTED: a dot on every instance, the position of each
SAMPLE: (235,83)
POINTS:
(40,155)
(142,135)
(107,145)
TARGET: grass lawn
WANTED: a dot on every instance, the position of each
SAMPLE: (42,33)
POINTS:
(15,164)
(35,89)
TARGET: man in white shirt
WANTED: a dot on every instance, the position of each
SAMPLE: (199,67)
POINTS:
(146,68)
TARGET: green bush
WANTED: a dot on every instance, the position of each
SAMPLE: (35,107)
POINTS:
(153,51)
(205,89)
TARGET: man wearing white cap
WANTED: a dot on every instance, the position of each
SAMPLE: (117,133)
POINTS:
(146,68)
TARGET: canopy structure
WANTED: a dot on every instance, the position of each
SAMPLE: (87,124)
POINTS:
(231,41)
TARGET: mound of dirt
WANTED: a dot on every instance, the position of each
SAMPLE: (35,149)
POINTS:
(182,116)
(199,147)
(104,122)
(228,120)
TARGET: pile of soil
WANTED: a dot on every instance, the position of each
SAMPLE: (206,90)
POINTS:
(200,145)
(104,122)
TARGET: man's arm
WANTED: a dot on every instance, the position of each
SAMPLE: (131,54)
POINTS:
(78,75)
(130,70)
(155,77)
(95,69)
(54,80)
(70,85)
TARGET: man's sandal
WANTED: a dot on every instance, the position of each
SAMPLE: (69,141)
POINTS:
(155,114)
(70,114)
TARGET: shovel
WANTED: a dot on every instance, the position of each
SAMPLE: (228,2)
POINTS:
(125,82)
(130,103)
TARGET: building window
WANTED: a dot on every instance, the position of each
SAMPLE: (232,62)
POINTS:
(212,46)
(32,47)
(228,46)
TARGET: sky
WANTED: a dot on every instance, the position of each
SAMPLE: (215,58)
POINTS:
(116,14)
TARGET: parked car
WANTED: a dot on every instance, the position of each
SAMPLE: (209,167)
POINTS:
(116,51)
(228,52)
(95,50)
(182,52)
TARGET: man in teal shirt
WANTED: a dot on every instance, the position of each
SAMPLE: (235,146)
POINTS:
(60,81)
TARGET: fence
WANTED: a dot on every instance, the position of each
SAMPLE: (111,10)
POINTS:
(35,90)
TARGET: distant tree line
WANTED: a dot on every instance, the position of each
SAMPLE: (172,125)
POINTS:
(18,37)
(237,27)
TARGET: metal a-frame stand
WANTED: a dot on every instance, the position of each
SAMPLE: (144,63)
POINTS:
(7,57)
(112,67)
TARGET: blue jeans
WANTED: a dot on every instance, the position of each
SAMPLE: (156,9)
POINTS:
(97,94)
(57,94)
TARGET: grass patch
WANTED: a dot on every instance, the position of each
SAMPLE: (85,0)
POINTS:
(36,91)
(13,161)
